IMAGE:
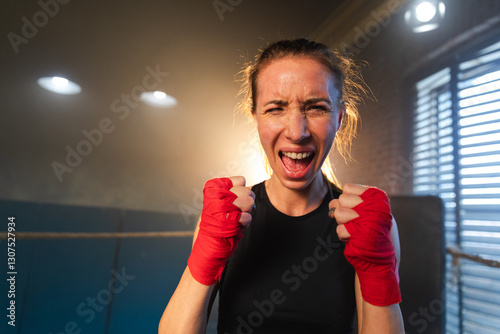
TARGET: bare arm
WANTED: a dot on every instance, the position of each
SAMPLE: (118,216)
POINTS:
(187,310)
(380,319)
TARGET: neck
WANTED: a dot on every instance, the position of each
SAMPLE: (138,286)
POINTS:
(296,202)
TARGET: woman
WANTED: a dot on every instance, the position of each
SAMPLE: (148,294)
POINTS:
(293,254)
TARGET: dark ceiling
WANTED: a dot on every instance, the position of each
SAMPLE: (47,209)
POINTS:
(152,158)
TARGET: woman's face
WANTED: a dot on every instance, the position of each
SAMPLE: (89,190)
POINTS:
(298,113)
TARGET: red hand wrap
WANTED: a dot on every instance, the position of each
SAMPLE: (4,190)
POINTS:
(370,249)
(219,232)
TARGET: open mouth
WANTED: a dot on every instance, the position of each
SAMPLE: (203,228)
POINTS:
(296,162)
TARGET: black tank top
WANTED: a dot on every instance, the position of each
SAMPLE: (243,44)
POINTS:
(288,275)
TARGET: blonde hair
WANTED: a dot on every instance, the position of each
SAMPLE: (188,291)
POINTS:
(348,82)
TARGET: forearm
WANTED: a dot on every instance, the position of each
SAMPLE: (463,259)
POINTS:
(381,319)
(227,204)
(186,311)
(377,319)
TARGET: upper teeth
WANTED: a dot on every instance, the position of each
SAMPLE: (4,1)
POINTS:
(294,155)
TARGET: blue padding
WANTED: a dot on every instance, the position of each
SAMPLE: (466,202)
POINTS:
(26,219)
(156,264)
(62,274)
(93,285)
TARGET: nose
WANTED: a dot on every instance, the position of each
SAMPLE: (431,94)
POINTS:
(297,126)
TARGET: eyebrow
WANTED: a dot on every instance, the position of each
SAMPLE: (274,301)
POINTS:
(278,102)
(318,99)
(309,101)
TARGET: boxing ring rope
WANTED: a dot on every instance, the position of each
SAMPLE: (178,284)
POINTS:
(101,235)
(457,254)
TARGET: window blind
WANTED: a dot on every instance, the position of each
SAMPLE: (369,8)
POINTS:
(457,157)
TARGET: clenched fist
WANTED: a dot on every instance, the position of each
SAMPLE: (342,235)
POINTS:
(227,204)
(364,222)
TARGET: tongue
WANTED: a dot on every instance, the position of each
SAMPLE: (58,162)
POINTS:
(295,165)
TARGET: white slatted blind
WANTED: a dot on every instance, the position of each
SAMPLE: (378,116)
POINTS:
(457,157)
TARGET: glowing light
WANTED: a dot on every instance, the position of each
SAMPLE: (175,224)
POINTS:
(160,95)
(425,11)
(158,99)
(59,85)
(60,82)
(425,15)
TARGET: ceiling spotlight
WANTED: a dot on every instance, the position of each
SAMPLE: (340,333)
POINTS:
(158,99)
(425,11)
(60,82)
(59,85)
(424,16)
(159,95)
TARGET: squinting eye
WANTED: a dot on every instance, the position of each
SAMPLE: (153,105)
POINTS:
(317,110)
(274,110)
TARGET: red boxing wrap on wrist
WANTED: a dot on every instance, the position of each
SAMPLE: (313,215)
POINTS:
(370,249)
(219,232)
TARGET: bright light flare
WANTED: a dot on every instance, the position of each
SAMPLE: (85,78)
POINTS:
(159,95)
(425,15)
(425,11)
(60,82)
(59,85)
(158,99)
